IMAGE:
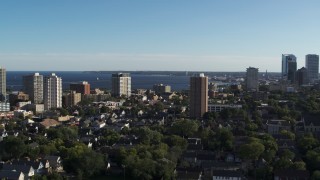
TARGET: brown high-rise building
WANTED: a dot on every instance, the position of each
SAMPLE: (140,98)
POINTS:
(83,87)
(198,95)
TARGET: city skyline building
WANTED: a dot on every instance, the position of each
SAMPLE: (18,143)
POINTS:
(292,69)
(302,76)
(3,84)
(161,89)
(72,98)
(82,87)
(33,86)
(289,67)
(52,92)
(252,79)
(121,84)
(198,95)
(312,66)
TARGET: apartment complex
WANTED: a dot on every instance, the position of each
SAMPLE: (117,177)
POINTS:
(198,95)
(121,84)
(33,86)
(52,92)
(82,87)
(252,79)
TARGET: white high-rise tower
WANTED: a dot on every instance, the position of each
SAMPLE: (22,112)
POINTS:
(121,84)
(52,92)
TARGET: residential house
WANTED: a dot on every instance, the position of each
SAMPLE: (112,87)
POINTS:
(3,134)
(27,170)
(208,167)
(275,126)
(48,123)
(205,157)
(311,123)
(291,174)
(37,166)
(188,173)
(98,125)
(12,175)
(55,163)
(226,174)
(190,157)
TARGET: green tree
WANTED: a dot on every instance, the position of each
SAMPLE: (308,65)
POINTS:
(109,137)
(307,142)
(158,106)
(64,133)
(287,154)
(148,136)
(104,109)
(63,112)
(222,140)
(174,140)
(251,151)
(315,175)
(210,115)
(13,147)
(288,134)
(80,159)
(283,163)
(313,159)
(184,127)
(299,165)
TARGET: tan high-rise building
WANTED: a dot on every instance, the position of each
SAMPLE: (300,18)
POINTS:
(72,98)
(198,95)
(33,86)
(121,84)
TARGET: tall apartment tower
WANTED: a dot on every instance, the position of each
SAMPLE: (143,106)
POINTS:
(289,67)
(312,65)
(252,79)
(292,68)
(33,86)
(121,84)
(83,87)
(3,84)
(198,95)
(52,92)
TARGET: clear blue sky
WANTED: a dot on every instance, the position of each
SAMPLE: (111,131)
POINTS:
(206,35)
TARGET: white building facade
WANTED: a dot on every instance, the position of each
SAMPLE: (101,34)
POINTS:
(121,84)
(52,92)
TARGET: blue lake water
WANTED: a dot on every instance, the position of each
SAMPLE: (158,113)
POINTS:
(103,80)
